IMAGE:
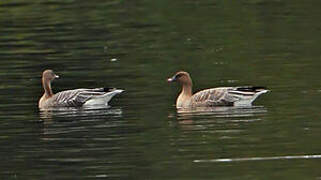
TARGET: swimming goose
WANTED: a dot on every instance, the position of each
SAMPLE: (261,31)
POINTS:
(73,98)
(222,96)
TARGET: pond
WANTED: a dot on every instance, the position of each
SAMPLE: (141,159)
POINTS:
(136,45)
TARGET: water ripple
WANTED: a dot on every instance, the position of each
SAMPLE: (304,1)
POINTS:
(317,156)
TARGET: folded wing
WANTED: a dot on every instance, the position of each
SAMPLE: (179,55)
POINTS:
(76,97)
(227,96)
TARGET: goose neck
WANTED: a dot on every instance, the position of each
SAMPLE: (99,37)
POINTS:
(47,87)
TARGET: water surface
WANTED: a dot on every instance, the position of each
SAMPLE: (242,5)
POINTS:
(136,46)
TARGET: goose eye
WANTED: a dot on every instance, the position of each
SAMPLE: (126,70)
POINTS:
(178,75)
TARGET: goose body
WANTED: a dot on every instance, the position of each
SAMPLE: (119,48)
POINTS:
(222,96)
(75,97)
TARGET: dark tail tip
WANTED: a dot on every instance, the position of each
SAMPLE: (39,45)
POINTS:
(108,89)
(260,88)
(252,88)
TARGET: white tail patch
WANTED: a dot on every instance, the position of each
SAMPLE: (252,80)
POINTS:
(248,100)
(102,99)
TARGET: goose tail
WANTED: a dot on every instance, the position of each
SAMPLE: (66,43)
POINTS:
(103,99)
(247,95)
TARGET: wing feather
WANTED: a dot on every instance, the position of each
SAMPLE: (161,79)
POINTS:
(76,97)
(226,96)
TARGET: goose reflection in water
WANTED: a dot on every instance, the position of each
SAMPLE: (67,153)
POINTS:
(71,112)
(202,118)
(77,121)
(223,111)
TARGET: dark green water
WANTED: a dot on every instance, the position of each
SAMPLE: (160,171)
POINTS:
(275,43)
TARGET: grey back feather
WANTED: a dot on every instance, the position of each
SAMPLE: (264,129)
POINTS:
(76,97)
(225,96)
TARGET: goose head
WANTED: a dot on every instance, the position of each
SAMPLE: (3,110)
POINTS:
(49,75)
(181,77)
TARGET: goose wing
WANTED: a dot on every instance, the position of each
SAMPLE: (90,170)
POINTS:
(226,96)
(213,97)
(76,97)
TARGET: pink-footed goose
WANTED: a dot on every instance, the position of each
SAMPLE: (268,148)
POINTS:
(222,96)
(75,97)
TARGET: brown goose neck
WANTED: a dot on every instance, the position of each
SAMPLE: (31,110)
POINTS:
(187,89)
(47,87)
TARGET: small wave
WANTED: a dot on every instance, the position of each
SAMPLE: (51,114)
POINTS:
(316,156)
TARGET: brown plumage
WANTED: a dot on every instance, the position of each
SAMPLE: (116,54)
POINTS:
(222,96)
(72,98)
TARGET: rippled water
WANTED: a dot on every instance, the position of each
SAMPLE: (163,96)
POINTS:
(136,45)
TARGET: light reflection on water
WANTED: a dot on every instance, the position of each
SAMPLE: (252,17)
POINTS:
(224,112)
(66,120)
(288,157)
(208,119)
(48,114)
